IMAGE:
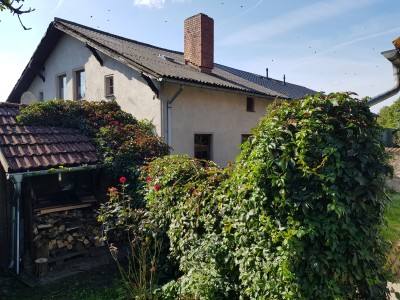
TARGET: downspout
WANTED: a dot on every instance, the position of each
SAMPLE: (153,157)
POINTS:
(394,57)
(169,115)
(15,242)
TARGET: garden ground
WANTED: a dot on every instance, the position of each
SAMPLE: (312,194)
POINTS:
(72,281)
(79,280)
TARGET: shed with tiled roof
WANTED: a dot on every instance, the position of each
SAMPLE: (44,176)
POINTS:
(43,170)
(26,148)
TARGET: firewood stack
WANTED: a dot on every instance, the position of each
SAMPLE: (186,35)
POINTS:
(59,233)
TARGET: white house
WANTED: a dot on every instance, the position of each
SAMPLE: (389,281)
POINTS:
(199,107)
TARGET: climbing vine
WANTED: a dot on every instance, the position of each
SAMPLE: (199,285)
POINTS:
(123,143)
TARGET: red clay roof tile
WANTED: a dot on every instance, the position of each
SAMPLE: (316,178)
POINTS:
(29,148)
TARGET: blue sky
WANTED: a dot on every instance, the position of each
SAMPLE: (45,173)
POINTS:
(329,45)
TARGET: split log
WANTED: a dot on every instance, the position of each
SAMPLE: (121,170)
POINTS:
(61,228)
(44,226)
(41,267)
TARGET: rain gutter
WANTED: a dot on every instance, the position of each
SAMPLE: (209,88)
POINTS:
(394,57)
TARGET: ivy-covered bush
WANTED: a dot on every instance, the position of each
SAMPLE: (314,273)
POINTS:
(298,217)
(180,203)
(124,143)
(305,203)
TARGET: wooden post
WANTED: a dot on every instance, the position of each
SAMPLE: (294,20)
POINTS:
(41,267)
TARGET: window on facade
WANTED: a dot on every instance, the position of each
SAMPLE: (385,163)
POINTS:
(202,146)
(250,104)
(41,96)
(245,137)
(80,90)
(109,84)
(62,86)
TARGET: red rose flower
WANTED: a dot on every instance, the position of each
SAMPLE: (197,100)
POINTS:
(149,179)
(156,187)
(122,180)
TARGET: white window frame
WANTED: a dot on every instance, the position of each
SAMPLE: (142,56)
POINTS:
(78,84)
(109,89)
(61,86)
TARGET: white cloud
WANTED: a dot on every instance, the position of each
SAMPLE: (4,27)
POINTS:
(294,19)
(156,3)
(60,2)
(150,3)
(239,15)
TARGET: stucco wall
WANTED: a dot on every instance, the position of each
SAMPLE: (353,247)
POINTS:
(205,111)
(194,111)
(134,96)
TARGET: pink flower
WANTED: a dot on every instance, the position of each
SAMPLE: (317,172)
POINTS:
(112,190)
(156,187)
(122,180)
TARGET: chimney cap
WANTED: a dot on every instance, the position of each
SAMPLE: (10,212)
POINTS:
(197,15)
(396,43)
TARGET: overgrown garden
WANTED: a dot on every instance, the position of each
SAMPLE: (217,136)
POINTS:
(297,216)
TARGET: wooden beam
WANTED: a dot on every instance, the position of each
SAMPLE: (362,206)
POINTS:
(43,211)
(38,69)
(95,54)
(150,83)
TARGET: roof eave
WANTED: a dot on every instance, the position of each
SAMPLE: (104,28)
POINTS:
(38,58)
(27,173)
(222,88)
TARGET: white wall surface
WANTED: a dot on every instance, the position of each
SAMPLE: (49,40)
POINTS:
(130,90)
(205,111)
(194,111)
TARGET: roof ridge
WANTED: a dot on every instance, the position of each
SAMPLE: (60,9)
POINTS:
(60,20)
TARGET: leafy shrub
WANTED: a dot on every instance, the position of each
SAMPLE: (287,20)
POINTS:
(305,203)
(298,217)
(124,143)
(181,204)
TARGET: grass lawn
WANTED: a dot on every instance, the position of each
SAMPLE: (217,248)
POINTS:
(392,217)
(101,283)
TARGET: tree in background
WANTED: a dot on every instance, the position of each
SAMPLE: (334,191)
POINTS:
(15,8)
(389,117)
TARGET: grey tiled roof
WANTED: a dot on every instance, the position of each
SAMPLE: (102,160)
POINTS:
(32,148)
(290,90)
(163,63)
(155,62)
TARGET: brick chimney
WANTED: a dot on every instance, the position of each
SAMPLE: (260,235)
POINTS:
(199,42)
(396,43)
